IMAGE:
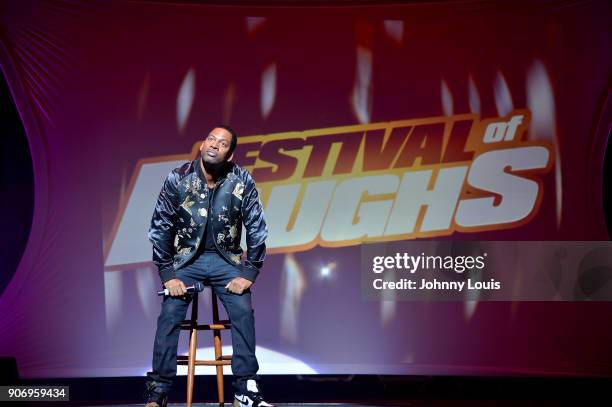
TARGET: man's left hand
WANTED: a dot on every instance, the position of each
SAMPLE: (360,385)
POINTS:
(238,285)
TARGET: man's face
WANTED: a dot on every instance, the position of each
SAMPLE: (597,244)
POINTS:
(216,145)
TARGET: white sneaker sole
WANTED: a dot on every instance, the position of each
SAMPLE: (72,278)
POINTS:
(247,402)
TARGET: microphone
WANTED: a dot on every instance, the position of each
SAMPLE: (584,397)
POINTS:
(196,288)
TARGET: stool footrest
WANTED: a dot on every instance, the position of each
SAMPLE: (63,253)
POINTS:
(219,322)
(213,362)
(206,327)
(185,358)
(205,362)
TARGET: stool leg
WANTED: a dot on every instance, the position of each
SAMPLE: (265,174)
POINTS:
(217,339)
(191,365)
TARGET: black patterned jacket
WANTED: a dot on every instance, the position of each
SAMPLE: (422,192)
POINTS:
(179,220)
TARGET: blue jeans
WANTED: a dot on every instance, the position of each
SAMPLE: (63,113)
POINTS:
(213,270)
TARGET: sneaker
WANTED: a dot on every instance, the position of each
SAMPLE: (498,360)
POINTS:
(154,398)
(252,398)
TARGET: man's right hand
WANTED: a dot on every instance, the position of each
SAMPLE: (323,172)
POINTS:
(176,287)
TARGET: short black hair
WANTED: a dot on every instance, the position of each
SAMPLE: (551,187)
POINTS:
(234,137)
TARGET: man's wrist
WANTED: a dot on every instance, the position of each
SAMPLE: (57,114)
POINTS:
(248,273)
(167,274)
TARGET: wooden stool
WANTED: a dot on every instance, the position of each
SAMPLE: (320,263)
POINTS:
(190,360)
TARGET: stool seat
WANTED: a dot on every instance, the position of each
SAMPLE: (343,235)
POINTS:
(191,360)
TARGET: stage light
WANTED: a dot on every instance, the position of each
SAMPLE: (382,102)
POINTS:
(326,271)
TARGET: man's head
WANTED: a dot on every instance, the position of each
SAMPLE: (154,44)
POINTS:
(218,145)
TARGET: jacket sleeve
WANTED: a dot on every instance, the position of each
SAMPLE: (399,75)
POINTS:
(162,229)
(256,230)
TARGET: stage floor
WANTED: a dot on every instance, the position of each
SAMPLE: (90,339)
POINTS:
(416,403)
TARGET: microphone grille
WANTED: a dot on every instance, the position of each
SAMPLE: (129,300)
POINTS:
(198,287)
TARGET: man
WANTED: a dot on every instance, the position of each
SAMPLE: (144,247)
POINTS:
(195,231)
